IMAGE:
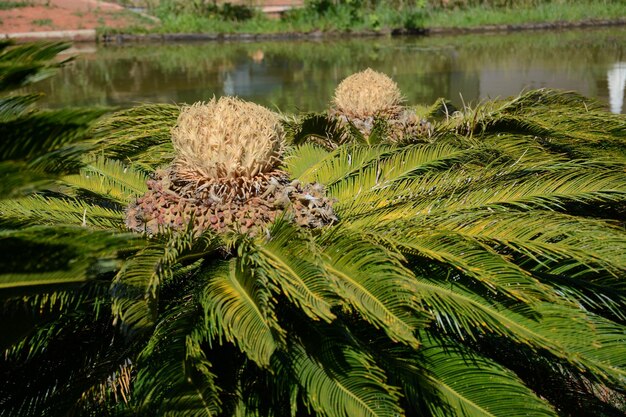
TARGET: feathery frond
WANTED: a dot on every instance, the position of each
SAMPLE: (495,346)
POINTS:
(132,135)
(342,381)
(236,305)
(561,121)
(374,283)
(46,134)
(174,376)
(38,209)
(109,179)
(45,255)
(14,106)
(470,385)
(28,63)
(36,147)
(134,304)
(293,263)
(317,128)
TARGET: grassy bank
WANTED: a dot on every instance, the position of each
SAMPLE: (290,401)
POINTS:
(354,16)
(546,12)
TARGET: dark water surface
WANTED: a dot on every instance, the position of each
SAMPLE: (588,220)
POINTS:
(301,75)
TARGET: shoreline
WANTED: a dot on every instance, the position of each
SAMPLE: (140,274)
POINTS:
(91,35)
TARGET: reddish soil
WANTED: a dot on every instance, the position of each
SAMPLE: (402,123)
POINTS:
(56,15)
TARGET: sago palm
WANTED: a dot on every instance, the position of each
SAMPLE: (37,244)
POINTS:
(210,261)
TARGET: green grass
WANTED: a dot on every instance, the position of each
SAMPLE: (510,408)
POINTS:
(42,22)
(6,5)
(548,12)
(345,17)
(189,23)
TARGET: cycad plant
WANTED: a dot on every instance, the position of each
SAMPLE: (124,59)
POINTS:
(225,175)
(369,105)
(209,261)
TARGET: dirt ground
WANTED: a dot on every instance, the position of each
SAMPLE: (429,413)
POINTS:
(57,15)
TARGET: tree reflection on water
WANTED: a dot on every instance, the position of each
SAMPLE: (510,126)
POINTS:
(301,75)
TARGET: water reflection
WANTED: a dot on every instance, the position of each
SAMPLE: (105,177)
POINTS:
(302,75)
(616,77)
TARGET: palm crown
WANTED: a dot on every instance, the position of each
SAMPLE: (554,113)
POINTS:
(448,270)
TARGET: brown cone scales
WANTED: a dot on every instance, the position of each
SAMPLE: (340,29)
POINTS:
(224,176)
(368,95)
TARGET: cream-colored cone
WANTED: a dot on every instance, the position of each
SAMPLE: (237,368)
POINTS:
(367,93)
(226,139)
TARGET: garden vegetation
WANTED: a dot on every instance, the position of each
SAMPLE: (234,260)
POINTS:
(473,266)
(181,16)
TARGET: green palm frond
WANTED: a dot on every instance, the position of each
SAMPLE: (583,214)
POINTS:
(600,295)
(560,121)
(34,309)
(517,150)
(134,303)
(472,259)
(109,179)
(46,134)
(317,128)
(36,147)
(404,164)
(174,375)
(566,115)
(62,385)
(135,291)
(459,189)
(391,172)
(38,209)
(243,410)
(41,146)
(158,156)
(583,339)
(374,283)
(340,380)
(470,385)
(42,255)
(13,106)
(28,63)
(508,250)
(535,101)
(236,305)
(594,343)
(334,165)
(19,179)
(265,393)
(545,237)
(57,299)
(547,191)
(353,171)
(292,262)
(445,378)
(50,307)
(134,134)
(35,342)
(464,312)
(303,158)
(375,166)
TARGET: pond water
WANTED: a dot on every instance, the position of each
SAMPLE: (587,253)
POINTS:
(301,75)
